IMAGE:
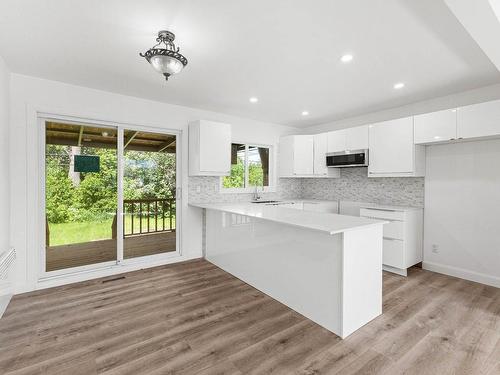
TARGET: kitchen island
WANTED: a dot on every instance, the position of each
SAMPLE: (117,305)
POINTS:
(327,267)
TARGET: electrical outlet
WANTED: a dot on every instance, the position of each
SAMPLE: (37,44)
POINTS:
(198,189)
(435,248)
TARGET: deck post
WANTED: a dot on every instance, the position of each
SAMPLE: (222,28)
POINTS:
(113,227)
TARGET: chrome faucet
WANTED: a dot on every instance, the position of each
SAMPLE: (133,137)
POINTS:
(256,195)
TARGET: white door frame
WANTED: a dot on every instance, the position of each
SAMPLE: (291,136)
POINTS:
(60,277)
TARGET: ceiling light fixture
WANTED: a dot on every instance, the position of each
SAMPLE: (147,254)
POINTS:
(253,99)
(165,59)
(305,113)
(399,85)
(346,58)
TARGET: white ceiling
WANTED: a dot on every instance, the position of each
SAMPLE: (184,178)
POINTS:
(285,52)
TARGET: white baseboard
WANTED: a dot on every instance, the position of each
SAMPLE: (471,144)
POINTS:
(4,302)
(462,273)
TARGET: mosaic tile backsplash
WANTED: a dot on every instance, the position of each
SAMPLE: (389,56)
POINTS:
(353,185)
(287,188)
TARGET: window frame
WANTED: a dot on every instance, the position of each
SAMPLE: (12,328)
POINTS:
(251,189)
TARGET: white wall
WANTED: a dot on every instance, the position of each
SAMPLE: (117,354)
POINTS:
(479,95)
(462,210)
(4,156)
(29,94)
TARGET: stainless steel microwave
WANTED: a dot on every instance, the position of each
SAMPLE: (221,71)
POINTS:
(343,159)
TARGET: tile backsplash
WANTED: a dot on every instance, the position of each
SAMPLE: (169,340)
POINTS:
(353,185)
(209,191)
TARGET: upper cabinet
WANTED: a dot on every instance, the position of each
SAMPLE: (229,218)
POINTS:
(304,156)
(319,149)
(392,150)
(436,127)
(479,120)
(296,156)
(348,139)
(209,148)
(356,138)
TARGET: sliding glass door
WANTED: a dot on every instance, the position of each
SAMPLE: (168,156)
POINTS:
(80,195)
(149,192)
(110,195)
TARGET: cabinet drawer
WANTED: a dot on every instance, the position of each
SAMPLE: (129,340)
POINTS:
(395,230)
(393,253)
(382,214)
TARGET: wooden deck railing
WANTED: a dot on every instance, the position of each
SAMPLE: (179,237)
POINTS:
(148,215)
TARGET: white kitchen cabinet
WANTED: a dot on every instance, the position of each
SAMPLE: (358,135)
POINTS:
(320,147)
(479,120)
(348,139)
(357,138)
(296,156)
(304,156)
(209,148)
(336,141)
(436,127)
(403,235)
(392,150)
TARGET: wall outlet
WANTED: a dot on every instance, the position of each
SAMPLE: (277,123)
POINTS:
(198,189)
(435,248)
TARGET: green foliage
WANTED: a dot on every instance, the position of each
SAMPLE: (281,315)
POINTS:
(237,177)
(94,198)
(59,192)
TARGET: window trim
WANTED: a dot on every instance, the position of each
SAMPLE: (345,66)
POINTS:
(251,189)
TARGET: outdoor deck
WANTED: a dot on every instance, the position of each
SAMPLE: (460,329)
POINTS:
(75,255)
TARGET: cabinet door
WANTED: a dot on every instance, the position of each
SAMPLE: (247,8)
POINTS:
(479,120)
(357,138)
(436,126)
(286,156)
(391,147)
(320,147)
(336,141)
(215,147)
(303,158)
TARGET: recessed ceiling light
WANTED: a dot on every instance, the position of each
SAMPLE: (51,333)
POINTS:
(346,58)
(253,99)
(399,85)
(305,113)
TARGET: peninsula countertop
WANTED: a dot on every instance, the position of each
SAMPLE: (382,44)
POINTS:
(320,221)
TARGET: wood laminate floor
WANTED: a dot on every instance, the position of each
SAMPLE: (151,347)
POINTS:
(193,318)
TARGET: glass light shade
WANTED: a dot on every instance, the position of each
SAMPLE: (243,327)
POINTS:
(166,64)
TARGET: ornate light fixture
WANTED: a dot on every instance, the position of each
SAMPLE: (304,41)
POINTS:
(164,57)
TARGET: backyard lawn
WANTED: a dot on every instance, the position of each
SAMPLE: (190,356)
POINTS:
(69,233)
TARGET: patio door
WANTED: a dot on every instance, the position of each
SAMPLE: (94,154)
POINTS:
(149,193)
(110,196)
(81,190)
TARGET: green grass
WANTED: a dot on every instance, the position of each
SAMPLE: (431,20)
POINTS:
(69,233)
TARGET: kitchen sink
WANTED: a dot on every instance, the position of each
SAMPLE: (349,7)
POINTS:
(266,201)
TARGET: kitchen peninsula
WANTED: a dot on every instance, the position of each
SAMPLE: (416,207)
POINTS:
(328,267)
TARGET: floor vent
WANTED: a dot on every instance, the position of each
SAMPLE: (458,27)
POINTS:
(113,279)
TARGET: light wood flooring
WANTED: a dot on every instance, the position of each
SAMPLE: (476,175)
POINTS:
(193,318)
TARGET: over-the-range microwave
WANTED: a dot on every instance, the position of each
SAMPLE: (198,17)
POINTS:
(351,158)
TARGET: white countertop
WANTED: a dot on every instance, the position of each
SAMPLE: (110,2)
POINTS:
(320,221)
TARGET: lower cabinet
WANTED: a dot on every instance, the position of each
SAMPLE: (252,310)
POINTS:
(403,236)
